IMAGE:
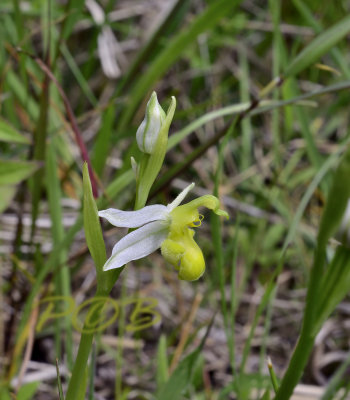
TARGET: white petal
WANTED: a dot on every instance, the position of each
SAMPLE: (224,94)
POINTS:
(137,244)
(134,219)
(180,197)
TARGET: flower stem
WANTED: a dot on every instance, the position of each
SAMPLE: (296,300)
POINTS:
(77,383)
(78,375)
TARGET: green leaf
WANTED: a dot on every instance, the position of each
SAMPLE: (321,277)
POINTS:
(335,382)
(54,196)
(337,55)
(73,11)
(162,362)
(246,382)
(337,200)
(266,395)
(94,237)
(334,286)
(103,141)
(13,172)
(78,75)
(4,393)
(319,46)
(182,376)
(92,226)
(116,186)
(7,194)
(27,391)
(10,134)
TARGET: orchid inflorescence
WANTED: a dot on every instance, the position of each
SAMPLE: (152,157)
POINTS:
(166,227)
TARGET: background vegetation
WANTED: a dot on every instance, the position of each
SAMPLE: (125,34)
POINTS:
(74,80)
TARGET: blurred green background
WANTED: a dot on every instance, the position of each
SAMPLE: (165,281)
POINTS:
(75,77)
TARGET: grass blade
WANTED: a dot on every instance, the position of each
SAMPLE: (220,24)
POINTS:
(59,383)
(57,229)
(181,377)
(10,134)
(162,362)
(13,172)
(205,21)
(319,46)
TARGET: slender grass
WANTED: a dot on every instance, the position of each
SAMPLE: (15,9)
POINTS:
(63,285)
(275,10)
(247,132)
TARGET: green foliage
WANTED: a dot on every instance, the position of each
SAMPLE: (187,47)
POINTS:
(336,202)
(27,391)
(9,134)
(92,226)
(275,153)
(162,362)
(7,194)
(13,172)
(181,378)
(318,47)
(175,47)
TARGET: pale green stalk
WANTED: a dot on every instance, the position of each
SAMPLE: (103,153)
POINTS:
(95,242)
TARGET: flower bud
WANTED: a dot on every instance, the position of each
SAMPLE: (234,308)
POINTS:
(148,131)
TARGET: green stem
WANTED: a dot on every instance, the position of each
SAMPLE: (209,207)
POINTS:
(296,367)
(272,375)
(306,341)
(78,374)
(77,379)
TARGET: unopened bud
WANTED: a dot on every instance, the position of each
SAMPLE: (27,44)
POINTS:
(148,131)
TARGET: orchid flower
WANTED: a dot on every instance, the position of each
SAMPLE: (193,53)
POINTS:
(165,227)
